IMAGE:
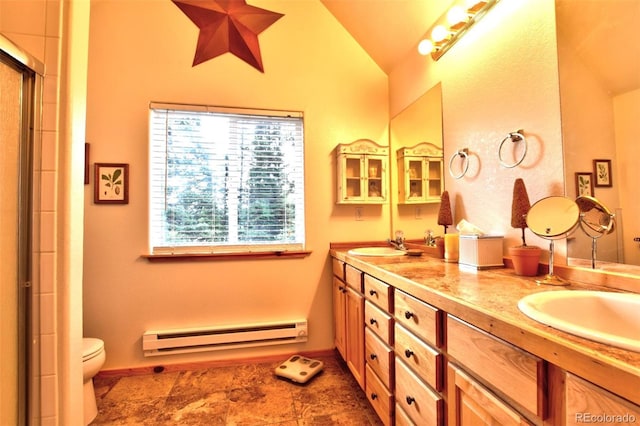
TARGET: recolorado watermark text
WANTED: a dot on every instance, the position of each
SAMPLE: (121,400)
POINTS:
(604,418)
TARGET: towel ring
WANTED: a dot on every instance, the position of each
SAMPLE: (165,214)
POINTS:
(514,137)
(464,153)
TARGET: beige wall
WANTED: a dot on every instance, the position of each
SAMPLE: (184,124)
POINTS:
(312,65)
(500,77)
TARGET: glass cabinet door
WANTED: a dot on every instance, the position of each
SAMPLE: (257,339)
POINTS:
(353,177)
(375,179)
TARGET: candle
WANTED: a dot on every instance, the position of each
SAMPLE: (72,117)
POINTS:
(451,248)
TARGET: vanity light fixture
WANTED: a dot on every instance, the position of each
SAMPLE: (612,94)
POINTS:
(452,25)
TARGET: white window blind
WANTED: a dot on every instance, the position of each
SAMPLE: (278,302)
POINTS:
(225,180)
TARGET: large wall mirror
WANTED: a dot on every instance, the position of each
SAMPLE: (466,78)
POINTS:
(599,69)
(419,122)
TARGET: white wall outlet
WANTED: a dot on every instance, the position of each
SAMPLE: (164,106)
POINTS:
(358,213)
(418,212)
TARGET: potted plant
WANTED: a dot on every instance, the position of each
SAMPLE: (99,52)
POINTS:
(445,218)
(525,258)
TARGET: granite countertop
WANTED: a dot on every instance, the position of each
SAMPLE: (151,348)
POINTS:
(488,299)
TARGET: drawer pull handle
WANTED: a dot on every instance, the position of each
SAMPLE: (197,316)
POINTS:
(408,315)
(374,395)
(408,353)
(372,292)
(410,400)
(372,321)
(373,356)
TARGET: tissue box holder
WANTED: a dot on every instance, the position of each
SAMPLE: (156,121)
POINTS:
(481,251)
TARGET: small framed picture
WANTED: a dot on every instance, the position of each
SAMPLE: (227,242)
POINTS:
(584,184)
(602,172)
(111,184)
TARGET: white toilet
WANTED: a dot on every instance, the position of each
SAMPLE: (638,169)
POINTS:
(93,357)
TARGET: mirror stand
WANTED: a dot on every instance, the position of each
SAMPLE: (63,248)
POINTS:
(551,279)
(552,218)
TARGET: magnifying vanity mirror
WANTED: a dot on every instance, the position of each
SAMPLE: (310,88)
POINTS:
(595,220)
(553,218)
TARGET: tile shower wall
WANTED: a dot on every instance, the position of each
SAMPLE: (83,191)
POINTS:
(35,27)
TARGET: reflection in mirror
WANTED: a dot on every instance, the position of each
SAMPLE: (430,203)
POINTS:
(595,220)
(599,70)
(419,122)
(553,218)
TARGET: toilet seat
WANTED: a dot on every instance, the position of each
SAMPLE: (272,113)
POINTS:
(91,347)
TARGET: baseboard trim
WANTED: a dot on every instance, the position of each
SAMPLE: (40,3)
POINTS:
(165,368)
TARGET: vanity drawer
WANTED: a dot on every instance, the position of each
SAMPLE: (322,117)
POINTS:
(420,403)
(508,369)
(353,277)
(422,319)
(379,322)
(402,419)
(338,268)
(379,357)
(378,292)
(422,358)
(380,397)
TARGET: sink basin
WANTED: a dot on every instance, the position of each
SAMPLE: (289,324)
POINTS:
(376,251)
(605,317)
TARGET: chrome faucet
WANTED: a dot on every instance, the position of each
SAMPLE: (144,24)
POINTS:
(398,242)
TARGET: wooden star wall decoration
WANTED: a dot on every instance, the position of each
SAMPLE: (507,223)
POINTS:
(228,26)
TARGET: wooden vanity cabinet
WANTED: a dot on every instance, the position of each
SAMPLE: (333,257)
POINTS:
(422,366)
(513,378)
(348,307)
(362,173)
(380,375)
(419,367)
(588,403)
(472,404)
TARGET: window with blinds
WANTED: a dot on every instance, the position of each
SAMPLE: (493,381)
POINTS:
(225,180)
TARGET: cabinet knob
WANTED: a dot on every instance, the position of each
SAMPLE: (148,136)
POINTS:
(374,395)
(373,356)
(372,321)
(408,353)
(410,400)
(408,315)
(373,292)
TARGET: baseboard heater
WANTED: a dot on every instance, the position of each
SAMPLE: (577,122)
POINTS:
(175,341)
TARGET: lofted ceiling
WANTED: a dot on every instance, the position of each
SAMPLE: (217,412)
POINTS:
(389,29)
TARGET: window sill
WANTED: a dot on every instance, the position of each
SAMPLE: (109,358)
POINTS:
(186,257)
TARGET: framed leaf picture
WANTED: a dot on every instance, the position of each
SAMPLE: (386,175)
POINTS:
(111,184)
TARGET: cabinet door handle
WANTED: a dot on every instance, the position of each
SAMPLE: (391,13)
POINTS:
(372,321)
(410,400)
(374,395)
(373,356)
(372,292)
(408,353)
(408,315)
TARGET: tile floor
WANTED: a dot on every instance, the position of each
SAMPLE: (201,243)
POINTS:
(243,394)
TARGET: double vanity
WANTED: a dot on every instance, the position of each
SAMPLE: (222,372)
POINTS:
(433,343)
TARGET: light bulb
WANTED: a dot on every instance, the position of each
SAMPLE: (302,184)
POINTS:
(425,47)
(439,33)
(456,15)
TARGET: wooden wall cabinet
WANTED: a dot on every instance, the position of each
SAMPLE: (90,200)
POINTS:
(420,174)
(362,173)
